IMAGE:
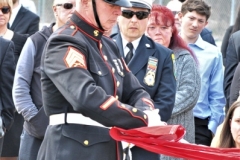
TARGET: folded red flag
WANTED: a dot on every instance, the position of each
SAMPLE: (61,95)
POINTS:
(164,140)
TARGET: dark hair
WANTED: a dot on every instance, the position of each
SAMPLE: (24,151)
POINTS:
(182,0)
(167,16)
(226,139)
(236,26)
(196,5)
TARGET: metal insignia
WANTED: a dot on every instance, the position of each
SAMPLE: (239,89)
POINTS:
(149,78)
(96,33)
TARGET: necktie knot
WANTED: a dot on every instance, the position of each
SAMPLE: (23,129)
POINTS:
(130,53)
(130,46)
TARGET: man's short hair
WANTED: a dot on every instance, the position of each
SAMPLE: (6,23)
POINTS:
(196,5)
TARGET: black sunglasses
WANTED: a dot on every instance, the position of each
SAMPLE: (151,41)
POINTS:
(140,14)
(5,10)
(66,5)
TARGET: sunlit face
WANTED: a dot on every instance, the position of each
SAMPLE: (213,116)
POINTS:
(107,14)
(160,33)
(63,14)
(4,18)
(235,126)
(192,24)
(132,28)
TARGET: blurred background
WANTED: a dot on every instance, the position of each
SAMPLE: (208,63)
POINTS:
(223,14)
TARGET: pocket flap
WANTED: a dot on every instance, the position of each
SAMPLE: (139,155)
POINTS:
(86,135)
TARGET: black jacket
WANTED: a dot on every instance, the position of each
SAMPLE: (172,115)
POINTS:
(232,60)
(26,22)
(6,81)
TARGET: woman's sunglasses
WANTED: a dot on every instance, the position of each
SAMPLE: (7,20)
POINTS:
(5,10)
(140,14)
(66,5)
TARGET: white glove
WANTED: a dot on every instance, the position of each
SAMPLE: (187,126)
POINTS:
(154,118)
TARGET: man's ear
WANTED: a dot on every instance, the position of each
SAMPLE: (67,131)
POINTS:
(54,8)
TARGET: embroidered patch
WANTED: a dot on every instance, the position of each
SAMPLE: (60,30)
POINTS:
(75,58)
(108,103)
(148,102)
(149,78)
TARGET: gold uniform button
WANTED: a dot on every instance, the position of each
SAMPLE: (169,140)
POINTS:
(117,97)
(96,33)
(122,74)
(113,70)
(123,106)
(86,142)
(105,57)
(72,27)
(134,110)
(101,45)
(145,116)
(100,73)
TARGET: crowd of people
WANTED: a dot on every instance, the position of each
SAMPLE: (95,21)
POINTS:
(136,64)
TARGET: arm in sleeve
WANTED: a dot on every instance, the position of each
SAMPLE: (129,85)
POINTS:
(225,43)
(189,86)
(78,87)
(216,96)
(231,64)
(165,96)
(22,82)
(235,86)
(6,79)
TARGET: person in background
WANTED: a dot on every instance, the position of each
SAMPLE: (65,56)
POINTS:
(150,62)
(12,138)
(27,94)
(22,20)
(87,87)
(6,81)
(232,59)
(230,134)
(230,30)
(175,7)
(162,29)
(208,112)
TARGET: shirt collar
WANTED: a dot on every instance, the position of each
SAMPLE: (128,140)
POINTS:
(199,43)
(135,43)
(14,14)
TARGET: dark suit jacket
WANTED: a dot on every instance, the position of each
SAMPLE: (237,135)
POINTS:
(232,60)
(25,22)
(6,81)
(225,43)
(164,90)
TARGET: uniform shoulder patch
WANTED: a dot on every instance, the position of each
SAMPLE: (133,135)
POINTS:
(74,58)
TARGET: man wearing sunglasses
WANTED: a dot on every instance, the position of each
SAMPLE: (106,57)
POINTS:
(150,62)
(26,91)
(87,87)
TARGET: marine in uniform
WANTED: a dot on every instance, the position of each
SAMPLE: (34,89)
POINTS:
(87,87)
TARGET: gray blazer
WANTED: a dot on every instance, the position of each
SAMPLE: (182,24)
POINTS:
(188,89)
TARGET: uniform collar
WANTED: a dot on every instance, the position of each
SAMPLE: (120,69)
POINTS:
(89,29)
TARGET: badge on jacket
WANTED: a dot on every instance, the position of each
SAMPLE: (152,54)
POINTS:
(149,78)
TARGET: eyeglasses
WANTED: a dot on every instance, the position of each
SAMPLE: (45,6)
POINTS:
(175,12)
(66,5)
(140,14)
(5,10)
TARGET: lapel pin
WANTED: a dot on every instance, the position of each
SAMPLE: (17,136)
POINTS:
(148,45)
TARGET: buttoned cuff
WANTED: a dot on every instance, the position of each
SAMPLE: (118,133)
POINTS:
(212,125)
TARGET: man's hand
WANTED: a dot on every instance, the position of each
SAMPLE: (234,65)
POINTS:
(154,118)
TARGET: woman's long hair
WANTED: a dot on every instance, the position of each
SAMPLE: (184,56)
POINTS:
(167,17)
(226,139)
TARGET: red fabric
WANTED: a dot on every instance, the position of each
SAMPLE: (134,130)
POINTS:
(164,140)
